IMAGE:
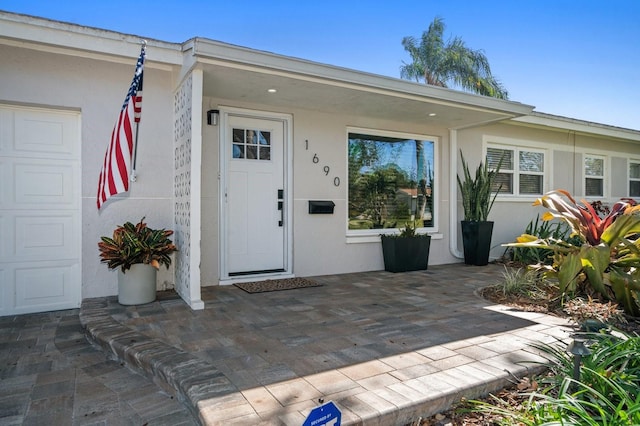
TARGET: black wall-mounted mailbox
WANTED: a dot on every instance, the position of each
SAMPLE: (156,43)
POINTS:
(321,207)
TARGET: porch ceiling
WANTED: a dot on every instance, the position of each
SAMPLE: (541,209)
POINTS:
(239,74)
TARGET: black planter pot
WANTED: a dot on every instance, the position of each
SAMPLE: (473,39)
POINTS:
(476,240)
(403,254)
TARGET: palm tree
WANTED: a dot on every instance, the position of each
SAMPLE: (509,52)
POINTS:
(439,63)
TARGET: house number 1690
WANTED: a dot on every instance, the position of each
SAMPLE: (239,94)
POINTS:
(326,169)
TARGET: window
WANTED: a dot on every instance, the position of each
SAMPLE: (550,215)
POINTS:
(634,178)
(521,171)
(594,176)
(391,180)
(251,144)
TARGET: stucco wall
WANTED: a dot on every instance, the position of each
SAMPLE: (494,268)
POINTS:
(320,243)
(565,152)
(97,89)
(209,244)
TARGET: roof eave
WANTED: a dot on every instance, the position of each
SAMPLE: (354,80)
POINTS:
(76,40)
(541,119)
(214,50)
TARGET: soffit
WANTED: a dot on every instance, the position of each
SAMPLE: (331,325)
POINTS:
(236,73)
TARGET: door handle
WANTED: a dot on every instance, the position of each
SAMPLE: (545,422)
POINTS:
(281,207)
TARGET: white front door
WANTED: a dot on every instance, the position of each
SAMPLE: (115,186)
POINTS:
(40,210)
(255,196)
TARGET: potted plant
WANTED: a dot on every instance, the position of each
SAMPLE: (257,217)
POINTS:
(477,201)
(406,251)
(138,251)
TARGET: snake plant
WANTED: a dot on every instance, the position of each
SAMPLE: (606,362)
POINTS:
(477,191)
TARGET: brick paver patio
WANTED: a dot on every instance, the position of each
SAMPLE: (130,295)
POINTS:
(386,348)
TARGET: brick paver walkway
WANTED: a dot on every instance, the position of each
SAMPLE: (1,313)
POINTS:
(51,375)
(386,348)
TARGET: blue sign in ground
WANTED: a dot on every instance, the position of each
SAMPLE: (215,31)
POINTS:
(324,415)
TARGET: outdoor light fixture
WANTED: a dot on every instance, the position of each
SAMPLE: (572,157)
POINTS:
(212,117)
(578,349)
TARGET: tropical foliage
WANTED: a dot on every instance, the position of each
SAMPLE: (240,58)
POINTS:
(522,282)
(608,259)
(442,63)
(132,244)
(557,230)
(605,394)
(477,191)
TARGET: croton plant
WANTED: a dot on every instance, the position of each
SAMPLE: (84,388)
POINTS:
(132,244)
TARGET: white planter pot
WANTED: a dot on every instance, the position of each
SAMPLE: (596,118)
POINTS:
(138,285)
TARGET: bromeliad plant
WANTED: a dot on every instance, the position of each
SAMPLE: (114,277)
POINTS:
(132,244)
(608,261)
(558,230)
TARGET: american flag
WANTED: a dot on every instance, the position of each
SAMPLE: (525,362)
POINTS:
(114,176)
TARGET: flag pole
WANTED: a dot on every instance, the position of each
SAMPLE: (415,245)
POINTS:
(137,120)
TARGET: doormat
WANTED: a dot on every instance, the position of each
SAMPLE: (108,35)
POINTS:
(276,285)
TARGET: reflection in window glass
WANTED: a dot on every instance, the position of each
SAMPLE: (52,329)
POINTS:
(238,151)
(594,176)
(251,144)
(531,161)
(391,182)
(594,166)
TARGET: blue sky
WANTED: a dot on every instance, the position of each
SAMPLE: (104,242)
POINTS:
(575,58)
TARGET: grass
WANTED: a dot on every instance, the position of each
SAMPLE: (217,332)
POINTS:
(524,289)
(520,282)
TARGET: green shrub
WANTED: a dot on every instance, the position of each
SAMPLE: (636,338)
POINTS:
(520,282)
(606,394)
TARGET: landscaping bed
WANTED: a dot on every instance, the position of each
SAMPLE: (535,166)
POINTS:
(541,297)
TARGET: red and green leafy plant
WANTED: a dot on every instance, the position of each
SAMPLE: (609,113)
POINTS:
(607,262)
(132,244)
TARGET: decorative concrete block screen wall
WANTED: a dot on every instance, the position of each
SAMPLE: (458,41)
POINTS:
(185,208)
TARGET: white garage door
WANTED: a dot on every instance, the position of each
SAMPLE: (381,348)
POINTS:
(40,221)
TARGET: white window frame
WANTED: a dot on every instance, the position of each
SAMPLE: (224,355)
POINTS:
(602,177)
(516,172)
(631,179)
(369,235)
